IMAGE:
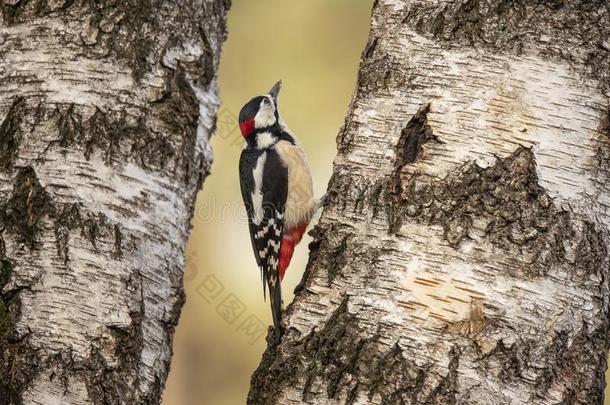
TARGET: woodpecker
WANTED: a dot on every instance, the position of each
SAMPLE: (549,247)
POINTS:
(277,191)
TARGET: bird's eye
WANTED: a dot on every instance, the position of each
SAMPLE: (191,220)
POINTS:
(266,102)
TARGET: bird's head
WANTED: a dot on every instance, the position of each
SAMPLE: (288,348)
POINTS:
(260,114)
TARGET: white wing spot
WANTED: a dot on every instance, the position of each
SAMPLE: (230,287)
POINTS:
(275,245)
(261,234)
(257,195)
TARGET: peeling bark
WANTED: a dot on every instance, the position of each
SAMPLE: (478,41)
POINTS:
(463,255)
(105,113)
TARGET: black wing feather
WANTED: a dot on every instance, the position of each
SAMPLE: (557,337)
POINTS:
(247,163)
(266,236)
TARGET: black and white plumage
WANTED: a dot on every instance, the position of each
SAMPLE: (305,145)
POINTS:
(263,180)
(277,191)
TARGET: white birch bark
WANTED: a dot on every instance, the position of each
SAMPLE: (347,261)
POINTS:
(105,113)
(463,257)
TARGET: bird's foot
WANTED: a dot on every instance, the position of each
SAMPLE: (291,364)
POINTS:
(275,336)
(326,199)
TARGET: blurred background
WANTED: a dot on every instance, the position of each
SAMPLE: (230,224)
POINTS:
(314,46)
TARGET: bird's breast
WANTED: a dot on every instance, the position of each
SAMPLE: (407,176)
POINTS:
(300,203)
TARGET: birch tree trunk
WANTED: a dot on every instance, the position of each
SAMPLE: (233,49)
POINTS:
(105,112)
(463,257)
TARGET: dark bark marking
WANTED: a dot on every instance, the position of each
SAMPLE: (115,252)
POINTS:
(564,363)
(510,360)
(109,132)
(577,29)
(375,198)
(122,29)
(273,374)
(339,250)
(396,379)
(399,380)
(118,241)
(563,360)
(69,126)
(370,48)
(379,69)
(19,364)
(22,9)
(350,361)
(337,259)
(591,252)
(95,227)
(346,134)
(19,361)
(68,219)
(118,384)
(326,346)
(118,136)
(360,197)
(520,213)
(179,112)
(129,38)
(332,351)
(202,73)
(445,392)
(30,203)
(566,357)
(413,136)
(6,270)
(11,133)
(605,127)
(27,206)
(28,212)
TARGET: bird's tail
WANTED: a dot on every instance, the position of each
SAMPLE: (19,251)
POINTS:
(275,297)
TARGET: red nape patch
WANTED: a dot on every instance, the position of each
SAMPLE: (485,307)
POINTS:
(246,127)
(289,241)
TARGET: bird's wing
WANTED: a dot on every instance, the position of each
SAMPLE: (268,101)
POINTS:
(264,188)
(247,165)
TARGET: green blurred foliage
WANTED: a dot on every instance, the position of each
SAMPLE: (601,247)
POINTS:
(314,46)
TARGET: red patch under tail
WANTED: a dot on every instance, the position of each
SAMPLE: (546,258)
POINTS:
(289,241)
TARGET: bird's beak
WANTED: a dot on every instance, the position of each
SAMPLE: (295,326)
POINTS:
(275,91)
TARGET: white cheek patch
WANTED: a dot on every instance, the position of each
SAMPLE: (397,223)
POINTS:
(265,117)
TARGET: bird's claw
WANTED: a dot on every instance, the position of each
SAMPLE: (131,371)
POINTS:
(325,199)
